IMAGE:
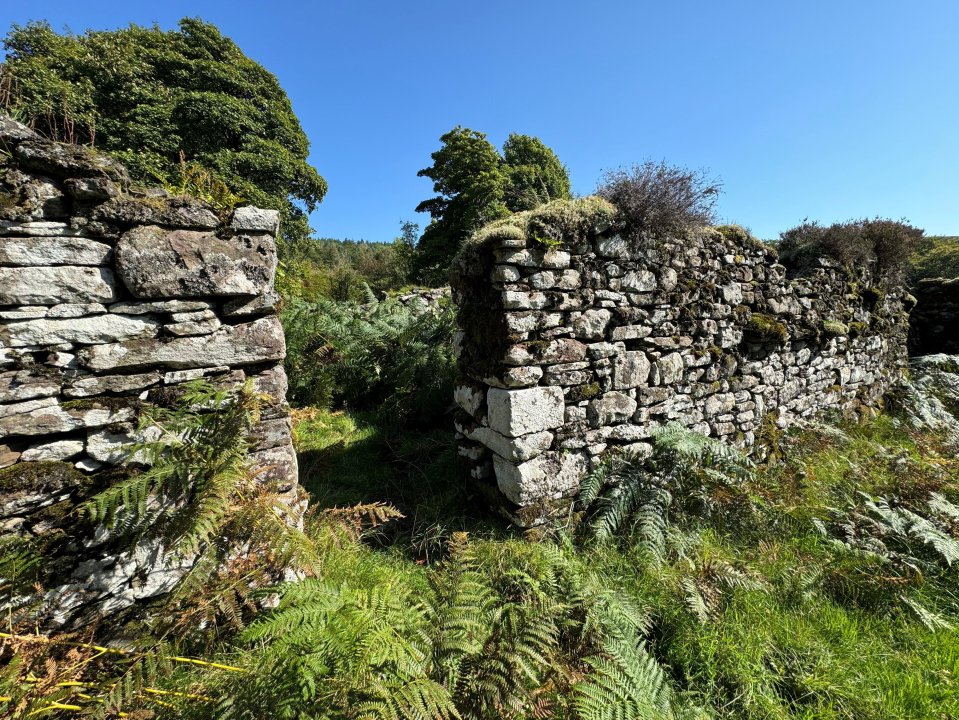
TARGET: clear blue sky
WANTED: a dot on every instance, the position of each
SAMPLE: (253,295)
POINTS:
(827,109)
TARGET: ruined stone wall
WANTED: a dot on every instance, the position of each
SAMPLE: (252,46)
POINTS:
(111,297)
(576,340)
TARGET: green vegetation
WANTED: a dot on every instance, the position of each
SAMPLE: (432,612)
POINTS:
(888,244)
(184,108)
(823,587)
(380,355)
(660,199)
(766,329)
(935,256)
(477,185)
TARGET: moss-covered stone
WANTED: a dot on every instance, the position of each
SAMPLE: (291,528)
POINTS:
(833,328)
(765,329)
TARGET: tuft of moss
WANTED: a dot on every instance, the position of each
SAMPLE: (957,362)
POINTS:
(765,329)
(856,329)
(833,328)
(873,295)
(583,392)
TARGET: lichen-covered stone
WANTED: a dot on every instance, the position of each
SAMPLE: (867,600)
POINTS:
(610,409)
(92,330)
(519,412)
(41,251)
(248,343)
(156,263)
(56,285)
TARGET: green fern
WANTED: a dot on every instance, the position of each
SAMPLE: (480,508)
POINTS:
(625,683)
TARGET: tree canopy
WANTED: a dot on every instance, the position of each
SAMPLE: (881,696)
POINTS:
(476,185)
(165,102)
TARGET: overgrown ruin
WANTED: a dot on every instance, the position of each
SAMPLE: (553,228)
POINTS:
(578,338)
(111,297)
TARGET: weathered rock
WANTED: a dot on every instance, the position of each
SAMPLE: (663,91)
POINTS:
(57,450)
(254,342)
(92,385)
(591,325)
(13,133)
(549,476)
(155,263)
(50,418)
(92,189)
(631,370)
(512,449)
(93,330)
(670,368)
(197,327)
(56,285)
(253,219)
(613,407)
(160,306)
(178,213)
(61,161)
(21,385)
(259,305)
(75,310)
(277,467)
(42,251)
(519,412)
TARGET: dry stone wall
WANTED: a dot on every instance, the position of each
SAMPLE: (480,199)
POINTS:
(578,339)
(111,297)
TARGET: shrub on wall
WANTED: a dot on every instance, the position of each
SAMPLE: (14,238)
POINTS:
(887,244)
(661,199)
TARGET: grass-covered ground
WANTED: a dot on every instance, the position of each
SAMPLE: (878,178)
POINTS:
(788,598)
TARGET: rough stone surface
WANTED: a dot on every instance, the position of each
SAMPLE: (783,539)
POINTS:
(42,251)
(56,285)
(248,343)
(156,263)
(253,219)
(93,330)
(610,335)
(519,412)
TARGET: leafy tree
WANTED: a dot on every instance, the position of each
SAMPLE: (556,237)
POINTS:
(476,185)
(152,97)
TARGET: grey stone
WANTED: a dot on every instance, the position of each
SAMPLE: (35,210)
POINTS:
(156,263)
(630,332)
(26,312)
(472,398)
(60,160)
(177,213)
(522,376)
(271,433)
(513,449)
(75,310)
(670,368)
(200,327)
(91,189)
(43,251)
(91,385)
(610,409)
(591,325)
(254,342)
(13,132)
(552,475)
(639,281)
(254,219)
(524,301)
(612,247)
(259,305)
(39,228)
(57,450)
(56,285)
(160,306)
(92,330)
(275,467)
(520,412)
(630,370)
(48,418)
(21,385)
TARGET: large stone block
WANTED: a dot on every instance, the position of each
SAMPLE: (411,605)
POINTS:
(613,407)
(93,330)
(61,160)
(254,219)
(529,410)
(42,251)
(631,370)
(56,285)
(518,449)
(255,342)
(47,417)
(157,263)
(18,385)
(550,476)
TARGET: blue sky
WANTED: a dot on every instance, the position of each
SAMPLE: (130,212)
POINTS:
(822,109)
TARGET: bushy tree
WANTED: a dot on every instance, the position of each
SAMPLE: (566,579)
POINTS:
(476,185)
(152,98)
